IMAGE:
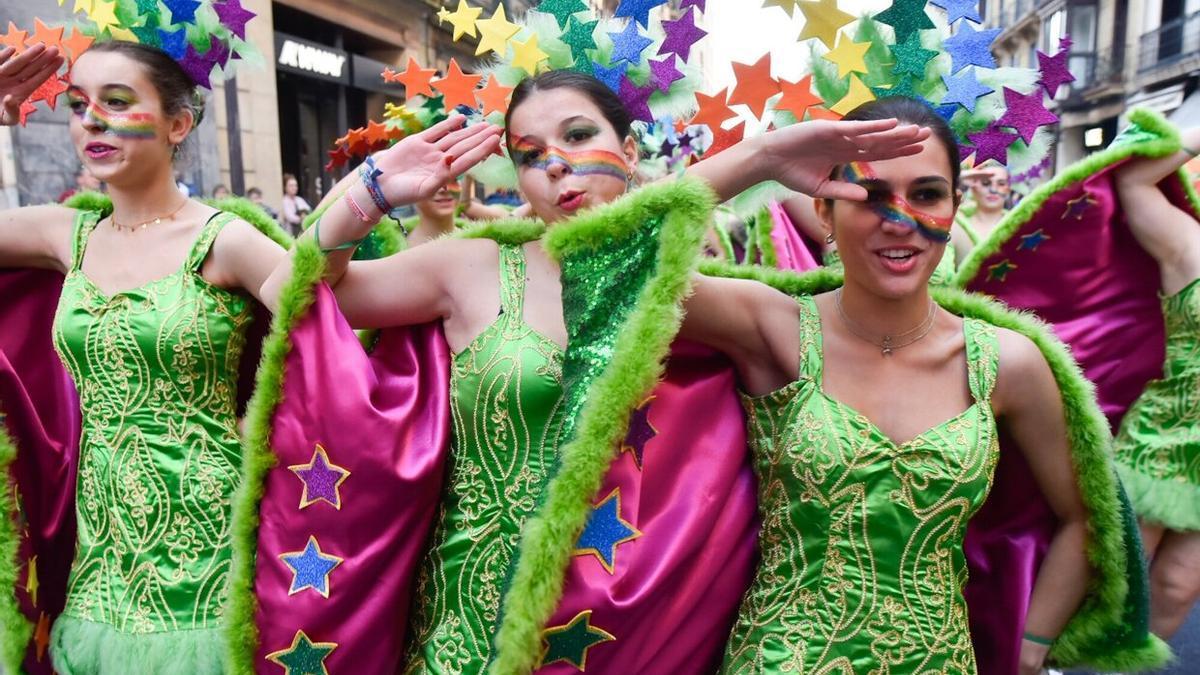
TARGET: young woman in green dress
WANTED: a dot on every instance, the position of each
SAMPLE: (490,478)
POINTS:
(151,325)
(1158,444)
(874,416)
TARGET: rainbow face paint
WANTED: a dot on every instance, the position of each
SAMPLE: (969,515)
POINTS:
(896,210)
(582,163)
(119,124)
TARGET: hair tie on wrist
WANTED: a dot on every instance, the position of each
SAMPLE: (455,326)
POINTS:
(1188,150)
(1038,640)
(345,246)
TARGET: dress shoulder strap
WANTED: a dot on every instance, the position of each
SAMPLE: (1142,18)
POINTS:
(512,281)
(208,234)
(983,357)
(85,222)
(811,344)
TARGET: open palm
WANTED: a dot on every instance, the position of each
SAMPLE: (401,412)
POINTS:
(418,166)
(21,74)
(803,156)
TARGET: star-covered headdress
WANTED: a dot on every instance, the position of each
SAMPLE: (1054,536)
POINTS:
(932,51)
(644,60)
(206,37)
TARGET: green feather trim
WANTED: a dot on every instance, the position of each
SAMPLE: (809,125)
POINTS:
(90,201)
(1097,634)
(764,224)
(1167,143)
(181,652)
(15,629)
(726,241)
(635,367)
(297,296)
(1171,503)
(512,232)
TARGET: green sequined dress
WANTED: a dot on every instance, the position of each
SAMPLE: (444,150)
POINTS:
(1158,446)
(506,407)
(862,564)
(156,369)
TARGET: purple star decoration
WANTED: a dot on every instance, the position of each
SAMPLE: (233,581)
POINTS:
(635,98)
(233,16)
(1025,113)
(640,430)
(992,144)
(198,66)
(1054,68)
(611,77)
(629,44)
(971,47)
(321,480)
(664,73)
(698,4)
(681,35)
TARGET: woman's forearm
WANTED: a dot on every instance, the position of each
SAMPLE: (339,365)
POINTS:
(1061,582)
(1150,172)
(732,171)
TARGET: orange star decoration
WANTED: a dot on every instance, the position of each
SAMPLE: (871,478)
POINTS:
(51,37)
(713,110)
(823,114)
(77,44)
(493,97)
(14,38)
(457,86)
(797,97)
(356,142)
(49,91)
(850,56)
(375,133)
(27,108)
(415,79)
(858,95)
(494,33)
(822,19)
(723,139)
(754,85)
(41,635)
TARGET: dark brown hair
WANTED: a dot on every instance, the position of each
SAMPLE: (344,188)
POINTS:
(912,111)
(175,88)
(596,91)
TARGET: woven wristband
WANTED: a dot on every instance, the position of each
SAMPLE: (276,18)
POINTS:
(370,178)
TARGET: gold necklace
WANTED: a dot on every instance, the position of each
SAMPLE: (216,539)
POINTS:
(889,343)
(112,218)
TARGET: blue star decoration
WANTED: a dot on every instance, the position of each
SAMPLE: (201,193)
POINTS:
(1031,241)
(964,90)
(628,45)
(971,47)
(572,641)
(638,10)
(310,568)
(1078,206)
(605,531)
(304,657)
(999,271)
(611,77)
(174,43)
(182,11)
(959,9)
(641,432)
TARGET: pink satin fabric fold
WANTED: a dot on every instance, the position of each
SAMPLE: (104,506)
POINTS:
(675,589)
(792,250)
(384,418)
(41,416)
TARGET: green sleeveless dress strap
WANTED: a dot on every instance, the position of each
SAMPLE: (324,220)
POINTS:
(1157,449)
(506,407)
(156,368)
(862,565)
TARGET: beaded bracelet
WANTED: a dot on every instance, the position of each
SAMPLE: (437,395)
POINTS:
(345,246)
(1038,640)
(370,174)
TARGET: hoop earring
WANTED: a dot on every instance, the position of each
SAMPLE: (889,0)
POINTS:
(829,238)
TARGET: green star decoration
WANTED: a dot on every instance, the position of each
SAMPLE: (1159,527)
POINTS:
(561,9)
(911,58)
(904,86)
(578,36)
(571,642)
(304,657)
(906,17)
(999,271)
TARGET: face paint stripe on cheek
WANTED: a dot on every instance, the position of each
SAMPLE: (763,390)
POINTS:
(899,211)
(123,125)
(582,163)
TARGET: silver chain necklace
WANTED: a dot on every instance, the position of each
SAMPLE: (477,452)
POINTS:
(889,343)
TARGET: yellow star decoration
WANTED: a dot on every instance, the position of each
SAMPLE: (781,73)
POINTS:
(849,56)
(104,13)
(84,6)
(31,581)
(442,15)
(788,6)
(822,19)
(463,19)
(858,95)
(527,55)
(495,32)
